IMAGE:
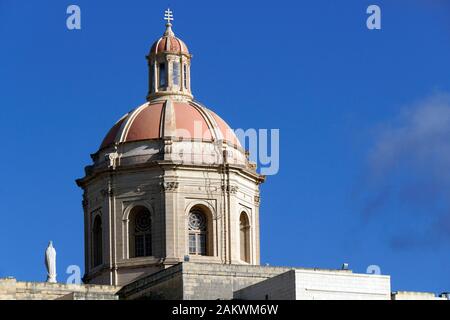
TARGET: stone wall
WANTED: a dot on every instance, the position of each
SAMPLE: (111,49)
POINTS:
(318,284)
(163,285)
(210,281)
(169,178)
(213,281)
(196,281)
(281,287)
(11,289)
(341,285)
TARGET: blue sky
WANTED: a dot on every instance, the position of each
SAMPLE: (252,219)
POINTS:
(363,116)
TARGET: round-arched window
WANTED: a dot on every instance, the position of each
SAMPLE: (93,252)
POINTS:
(244,237)
(97,243)
(197,233)
(140,230)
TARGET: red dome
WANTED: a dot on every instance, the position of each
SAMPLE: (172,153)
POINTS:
(169,43)
(158,119)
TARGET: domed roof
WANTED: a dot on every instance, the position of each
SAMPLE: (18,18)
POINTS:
(187,120)
(169,43)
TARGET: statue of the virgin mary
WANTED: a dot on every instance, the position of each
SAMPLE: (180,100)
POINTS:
(50,263)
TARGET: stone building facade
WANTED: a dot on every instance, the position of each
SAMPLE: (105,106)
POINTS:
(170,182)
(11,289)
(194,281)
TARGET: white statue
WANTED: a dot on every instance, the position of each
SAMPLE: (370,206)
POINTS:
(50,263)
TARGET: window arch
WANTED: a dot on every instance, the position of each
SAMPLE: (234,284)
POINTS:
(185,76)
(162,75)
(97,242)
(244,227)
(140,232)
(151,75)
(198,226)
(176,73)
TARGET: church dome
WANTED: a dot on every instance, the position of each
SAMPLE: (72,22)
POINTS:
(169,181)
(171,125)
(186,120)
(170,44)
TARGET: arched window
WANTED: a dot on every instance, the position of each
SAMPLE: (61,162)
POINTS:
(140,232)
(198,229)
(176,73)
(244,227)
(97,242)
(185,76)
(152,78)
(162,75)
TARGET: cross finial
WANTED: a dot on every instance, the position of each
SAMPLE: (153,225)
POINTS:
(168,16)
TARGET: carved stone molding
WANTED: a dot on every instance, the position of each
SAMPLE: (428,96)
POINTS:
(257,200)
(169,186)
(168,146)
(230,189)
(112,159)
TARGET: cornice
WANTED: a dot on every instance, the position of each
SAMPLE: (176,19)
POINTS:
(169,164)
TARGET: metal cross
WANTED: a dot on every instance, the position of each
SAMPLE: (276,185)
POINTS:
(168,15)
